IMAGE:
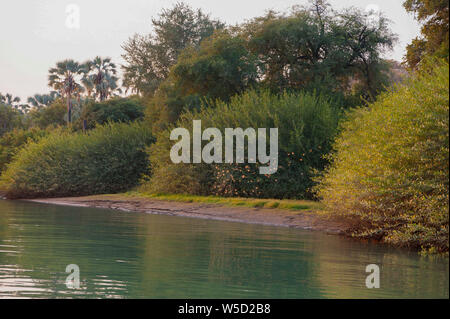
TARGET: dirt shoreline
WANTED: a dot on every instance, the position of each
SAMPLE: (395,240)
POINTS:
(301,219)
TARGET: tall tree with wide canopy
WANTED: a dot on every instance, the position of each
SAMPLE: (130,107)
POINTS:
(317,48)
(149,57)
(64,78)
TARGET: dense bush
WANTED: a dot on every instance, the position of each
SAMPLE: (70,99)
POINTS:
(390,172)
(13,141)
(306,125)
(114,110)
(52,115)
(110,158)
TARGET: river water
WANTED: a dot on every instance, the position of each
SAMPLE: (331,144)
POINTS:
(136,255)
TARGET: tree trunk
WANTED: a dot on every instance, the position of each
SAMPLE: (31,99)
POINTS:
(69,109)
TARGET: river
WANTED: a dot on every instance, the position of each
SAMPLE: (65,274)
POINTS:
(137,255)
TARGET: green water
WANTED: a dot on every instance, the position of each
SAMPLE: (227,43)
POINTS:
(133,255)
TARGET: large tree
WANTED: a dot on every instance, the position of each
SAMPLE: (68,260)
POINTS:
(65,79)
(149,57)
(434,16)
(220,68)
(312,48)
(317,48)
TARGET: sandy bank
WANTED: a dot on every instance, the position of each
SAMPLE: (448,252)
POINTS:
(302,219)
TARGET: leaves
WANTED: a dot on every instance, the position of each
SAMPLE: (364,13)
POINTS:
(434,14)
(150,57)
(306,124)
(110,158)
(390,167)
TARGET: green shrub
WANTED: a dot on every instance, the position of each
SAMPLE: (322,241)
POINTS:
(390,173)
(13,141)
(108,159)
(306,125)
(52,115)
(122,110)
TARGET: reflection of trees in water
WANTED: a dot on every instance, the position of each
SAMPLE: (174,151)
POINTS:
(402,273)
(137,255)
(265,262)
(48,238)
(217,259)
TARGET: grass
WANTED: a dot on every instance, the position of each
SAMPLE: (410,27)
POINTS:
(232,201)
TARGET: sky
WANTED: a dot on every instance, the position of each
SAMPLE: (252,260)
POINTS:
(37,34)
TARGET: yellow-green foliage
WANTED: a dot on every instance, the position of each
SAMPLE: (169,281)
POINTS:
(13,141)
(390,171)
(108,159)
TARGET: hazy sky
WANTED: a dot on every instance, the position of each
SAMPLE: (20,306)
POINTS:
(34,35)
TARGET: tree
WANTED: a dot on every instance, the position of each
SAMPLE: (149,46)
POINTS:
(42,100)
(10,118)
(316,48)
(14,102)
(149,58)
(362,41)
(9,99)
(100,78)
(434,16)
(64,79)
(220,68)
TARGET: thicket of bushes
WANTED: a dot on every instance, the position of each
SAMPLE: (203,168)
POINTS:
(13,141)
(52,115)
(122,110)
(108,159)
(306,125)
(390,172)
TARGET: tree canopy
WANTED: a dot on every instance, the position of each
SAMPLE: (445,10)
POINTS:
(149,57)
(434,16)
(318,48)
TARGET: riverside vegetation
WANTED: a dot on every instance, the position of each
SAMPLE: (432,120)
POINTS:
(364,135)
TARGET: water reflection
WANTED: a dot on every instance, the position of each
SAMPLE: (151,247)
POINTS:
(130,255)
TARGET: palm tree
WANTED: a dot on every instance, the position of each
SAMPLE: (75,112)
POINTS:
(88,84)
(100,78)
(63,78)
(41,100)
(9,100)
(13,102)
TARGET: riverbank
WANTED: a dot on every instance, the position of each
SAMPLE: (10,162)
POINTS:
(293,214)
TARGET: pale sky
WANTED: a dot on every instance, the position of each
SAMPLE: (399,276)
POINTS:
(34,35)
